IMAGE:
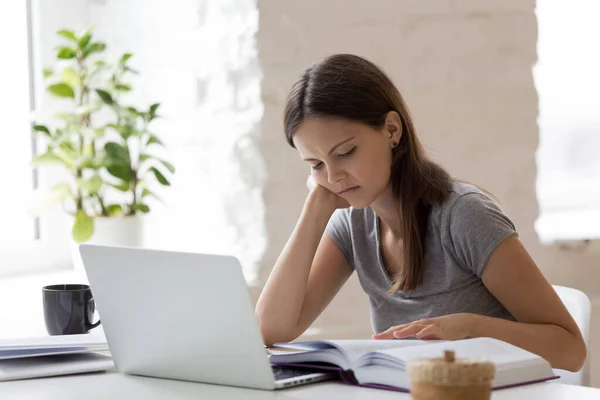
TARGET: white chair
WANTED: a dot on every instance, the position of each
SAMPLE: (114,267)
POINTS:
(579,306)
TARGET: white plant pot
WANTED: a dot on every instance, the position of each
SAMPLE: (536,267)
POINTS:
(115,231)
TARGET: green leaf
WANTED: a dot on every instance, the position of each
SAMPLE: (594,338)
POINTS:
(122,186)
(66,53)
(125,130)
(67,149)
(105,96)
(114,210)
(61,90)
(43,129)
(123,87)
(94,48)
(67,34)
(160,177)
(87,150)
(168,166)
(142,207)
(47,72)
(60,192)
(132,111)
(85,39)
(124,58)
(153,109)
(145,157)
(48,158)
(83,228)
(146,193)
(71,77)
(117,153)
(154,140)
(121,171)
(91,163)
(92,185)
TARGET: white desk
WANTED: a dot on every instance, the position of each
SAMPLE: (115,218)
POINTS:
(27,320)
(115,386)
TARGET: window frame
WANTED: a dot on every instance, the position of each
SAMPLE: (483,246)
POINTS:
(49,249)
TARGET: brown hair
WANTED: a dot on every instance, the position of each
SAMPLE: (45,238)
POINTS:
(351,87)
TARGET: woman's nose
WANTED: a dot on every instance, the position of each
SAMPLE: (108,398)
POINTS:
(334,175)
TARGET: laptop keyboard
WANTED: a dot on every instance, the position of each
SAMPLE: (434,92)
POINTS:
(284,372)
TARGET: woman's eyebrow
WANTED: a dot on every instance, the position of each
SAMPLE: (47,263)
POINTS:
(332,149)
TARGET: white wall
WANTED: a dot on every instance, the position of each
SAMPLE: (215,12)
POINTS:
(465,70)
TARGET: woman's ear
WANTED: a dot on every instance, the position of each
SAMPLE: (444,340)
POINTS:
(393,128)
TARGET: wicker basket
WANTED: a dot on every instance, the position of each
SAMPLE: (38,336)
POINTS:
(451,379)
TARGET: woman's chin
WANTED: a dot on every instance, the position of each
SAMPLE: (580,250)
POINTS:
(358,204)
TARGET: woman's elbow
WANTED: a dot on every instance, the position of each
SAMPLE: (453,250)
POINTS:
(576,355)
(273,333)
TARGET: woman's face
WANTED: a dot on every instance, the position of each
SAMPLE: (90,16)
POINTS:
(349,158)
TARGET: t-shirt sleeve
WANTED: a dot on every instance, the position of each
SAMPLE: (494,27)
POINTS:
(338,229)
(477,227)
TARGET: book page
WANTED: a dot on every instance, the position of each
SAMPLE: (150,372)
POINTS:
(487,349)
(355,349)
(344,353)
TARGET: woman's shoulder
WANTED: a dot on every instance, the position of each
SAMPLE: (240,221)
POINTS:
(468,206)
(467,195)
(467,202)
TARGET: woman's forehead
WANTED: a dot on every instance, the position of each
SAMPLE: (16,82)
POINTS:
(315,133)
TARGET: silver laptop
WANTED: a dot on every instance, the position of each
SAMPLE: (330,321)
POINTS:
(182,316)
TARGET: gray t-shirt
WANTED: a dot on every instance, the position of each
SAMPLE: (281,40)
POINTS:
(461,235)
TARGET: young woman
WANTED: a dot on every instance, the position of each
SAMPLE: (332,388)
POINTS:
(437,257)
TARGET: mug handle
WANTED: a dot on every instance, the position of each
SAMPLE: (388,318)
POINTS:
(90,308)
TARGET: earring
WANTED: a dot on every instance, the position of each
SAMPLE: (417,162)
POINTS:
(394,144)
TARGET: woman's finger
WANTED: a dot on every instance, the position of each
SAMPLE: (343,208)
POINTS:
(409,331)
(430,332)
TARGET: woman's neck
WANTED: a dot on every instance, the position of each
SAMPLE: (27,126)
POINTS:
(386,209)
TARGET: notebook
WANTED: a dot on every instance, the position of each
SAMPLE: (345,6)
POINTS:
(63,364)
(36,357)
(51,345)
(383,363)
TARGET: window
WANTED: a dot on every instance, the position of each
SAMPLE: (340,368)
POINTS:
(567,78)
(24,241)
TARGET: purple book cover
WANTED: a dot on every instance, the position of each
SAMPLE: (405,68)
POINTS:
(347,377)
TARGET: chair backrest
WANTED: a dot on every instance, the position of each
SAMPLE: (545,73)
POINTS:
(579,306)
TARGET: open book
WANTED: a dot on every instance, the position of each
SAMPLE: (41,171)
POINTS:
(383,363)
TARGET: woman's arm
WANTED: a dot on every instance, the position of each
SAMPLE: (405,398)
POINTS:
(309,272)
(544,325)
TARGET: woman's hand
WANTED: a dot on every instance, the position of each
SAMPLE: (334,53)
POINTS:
(323,196)
(448,327)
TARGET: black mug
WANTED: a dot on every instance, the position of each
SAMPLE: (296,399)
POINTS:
(68,309)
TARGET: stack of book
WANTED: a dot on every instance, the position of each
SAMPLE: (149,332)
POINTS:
(52,356)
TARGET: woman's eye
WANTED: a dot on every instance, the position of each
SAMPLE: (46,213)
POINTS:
(349,153)
(316,166)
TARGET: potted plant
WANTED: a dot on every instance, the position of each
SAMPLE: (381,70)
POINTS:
(104,145)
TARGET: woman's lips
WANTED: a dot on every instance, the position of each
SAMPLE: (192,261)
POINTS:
(348,190)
